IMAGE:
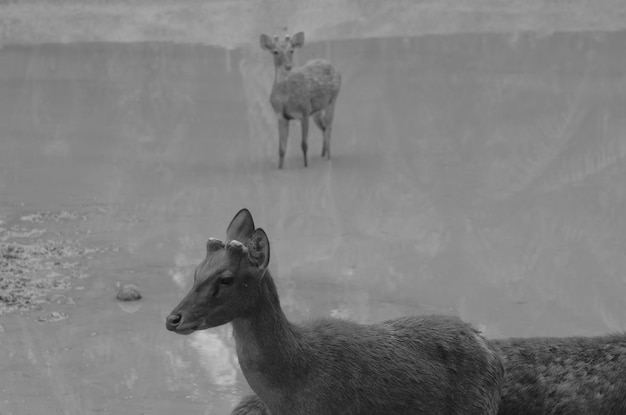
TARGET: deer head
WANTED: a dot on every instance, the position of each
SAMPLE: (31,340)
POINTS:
(227,283)
(282,49)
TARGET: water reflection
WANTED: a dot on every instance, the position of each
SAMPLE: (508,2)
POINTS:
(479,175)
(216,356)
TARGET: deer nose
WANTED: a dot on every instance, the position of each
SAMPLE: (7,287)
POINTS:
(172,321)
(288,66)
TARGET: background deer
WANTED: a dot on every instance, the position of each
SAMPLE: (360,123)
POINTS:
(431,365)
(298,93)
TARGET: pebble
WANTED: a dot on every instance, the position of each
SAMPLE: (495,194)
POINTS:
(128,292)
(52,317)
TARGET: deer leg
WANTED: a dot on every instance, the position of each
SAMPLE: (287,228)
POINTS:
(317,117)
(283,135)
(329,113)
(304,122)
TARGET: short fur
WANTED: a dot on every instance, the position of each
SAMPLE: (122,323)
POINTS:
(298,93)
(435,365)
(250,405)
(564,376)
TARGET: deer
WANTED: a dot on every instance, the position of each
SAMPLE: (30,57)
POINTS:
(301,92)
(427,364)
(547,376)
(563,375)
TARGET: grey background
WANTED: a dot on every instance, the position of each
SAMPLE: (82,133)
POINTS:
(478,170)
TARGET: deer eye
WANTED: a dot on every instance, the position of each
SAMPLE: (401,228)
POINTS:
(223,281)
(227,280)
(275,52)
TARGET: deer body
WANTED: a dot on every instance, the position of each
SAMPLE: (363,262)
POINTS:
(548,376)
(302,91)
(299,93)
(569,376)
(417,365)
(435,365)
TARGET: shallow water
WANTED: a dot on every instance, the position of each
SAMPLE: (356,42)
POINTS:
(477,175)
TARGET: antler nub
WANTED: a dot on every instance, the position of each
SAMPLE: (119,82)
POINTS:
(214,244)
(235,248)
(235,244)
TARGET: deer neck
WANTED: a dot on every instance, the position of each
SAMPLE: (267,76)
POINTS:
(280,75)
(267,344)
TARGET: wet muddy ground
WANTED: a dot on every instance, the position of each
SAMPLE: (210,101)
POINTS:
(474,174)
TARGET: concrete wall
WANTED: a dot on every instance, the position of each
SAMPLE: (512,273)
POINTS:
(234,23)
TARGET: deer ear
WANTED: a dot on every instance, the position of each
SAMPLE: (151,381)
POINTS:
(297,40)
(241,227)
(266,42)
(259,246)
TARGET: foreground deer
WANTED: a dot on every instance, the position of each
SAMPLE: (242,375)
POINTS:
(310,90)
(549,376)
(564,376)
(431,365)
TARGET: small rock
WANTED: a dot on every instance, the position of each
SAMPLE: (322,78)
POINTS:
(54,316)
(128,292)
